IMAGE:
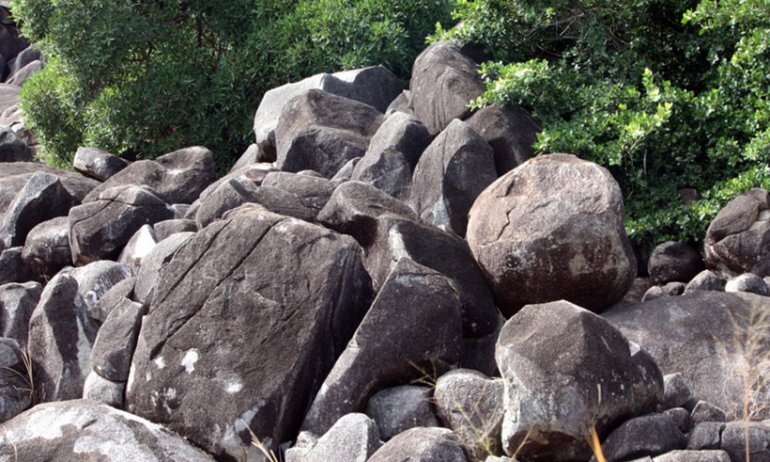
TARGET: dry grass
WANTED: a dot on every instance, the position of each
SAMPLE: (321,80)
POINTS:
(261,447)
(27,376)
(596,445)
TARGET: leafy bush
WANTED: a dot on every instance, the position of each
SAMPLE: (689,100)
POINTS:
(140,78)
(666,94)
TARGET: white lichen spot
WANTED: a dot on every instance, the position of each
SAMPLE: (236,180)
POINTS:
(633,348)
(160,362)
(234,387)
(189,360)
(599,393)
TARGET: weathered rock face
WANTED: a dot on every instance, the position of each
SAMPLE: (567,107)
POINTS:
(565,370)
(100,228)
(510,132)
(15,389)
(320,131)
(17,302)
(748,282)
(47,247)
(397,409)
(553,229)
(115,342)
(456,167)
(648,435)
(352,439)
(178,177)
(246,321)
(12,149)
(693,334)
(54,432)
(444,81)
(149,271)
(736,241)
(674,261)
(98,164)
(309,191)
(422,444)
(413,301)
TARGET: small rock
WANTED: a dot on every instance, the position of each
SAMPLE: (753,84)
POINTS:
(354,438)
(706,435)
(748,282)
(400,408)
(694,456)
(673,261)
(681,417)
(707,412)
(421,444)
(98,164)
(648,435)
(101,390)
(17,302)
(706,280)
(676,390)
(734,441)
(47,248)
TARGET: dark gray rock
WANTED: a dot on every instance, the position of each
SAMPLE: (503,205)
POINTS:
(676,390)
(140,244)
(648,435)
(707,412)
(101,390)
(389,171)
(397,409)
(345,172)
(734,441)
(471,404)
(97,163)
(12,266)
(553,229)
(639,287)
(681,418)
(706,435)
(670,289)
(452,172)
(354,438)
(25,56)
(53,432)
(149,271)
(748,282)
(311,192)
(673,261)
(16,385)
(19,77)
(99,229)
(112,298)
(413,300)
(17,302)
(11,42)
(510,132)
(60,338)
(693,456)
(444,81)
(706,280)
(178,177)
(565,371)
(321,131)
(12,149)
(114,345)
(421,444)
(288,295)
(166,228)
(47,249)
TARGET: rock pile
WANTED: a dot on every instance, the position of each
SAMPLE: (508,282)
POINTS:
(383,276)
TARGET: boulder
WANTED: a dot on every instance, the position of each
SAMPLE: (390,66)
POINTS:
(321,131)
(9,94)
(25,56)
(149,271)
(699,335)
(553,229)
(251,155)
(112,298)
(402,103)
(354,438)
(16,383)
(140,244)
(748,282)
(178,177)
(54,432)
(12,266)
(707,412)
(375,86)
(100,228)
(421,444)
(444,81)
(12,149)
(17,302)
(452,172)
(706,435)
(47,248)
(736,239)
(681,418)
(98,164)
(114,345)
(311,192)
(167,228)
(510,132)
(734,442)
(413,301)
(565,371)
(397,409)
(706,280)
(247,319)
(676,391)
(101,390)
(673,261)
(96,279)
(693,456)
(19,77)
(648,435)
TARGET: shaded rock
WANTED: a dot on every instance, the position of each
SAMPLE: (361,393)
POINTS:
(402,103)
(553,229)
(166,228)
(112,298)
(510,132)
(17,302)
(11,43)
(639,287)
(114,345)
(748,282)
(671,289)
(149,271)
(444,81)
(312,192)
(25,56)
(673,261)
(101,390)
(60,339)
(648,435)
(389,172)
(53,432)
(15,390)
(681,418)
(421,444)
(706,435)
(734,441)
(345,172)
(251,155)
(12,266)
(99,229)
(96,279)
(97,163)
(694,456)
(289,294)
(413,301)
(321,131)
(19,77)
(354,438)
(452,172)
(565,371)
(707,412)
(178,177)
(706,280)
(12,149)
(695,334)
(140,244)
(676,390)
(398,409)
(471,404)
(47,249)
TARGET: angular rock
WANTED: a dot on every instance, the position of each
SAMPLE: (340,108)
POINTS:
(673,261)
(421,444)
(694,456)
(639,287)
(15,387)
(471,404)
(706,435)
(112,298)
(452,172)
(670,289)
(748,282)
(96,279)
(53,432)
(706,280)
(17,302)
(312,192)
(47,249)
(510,132)
(320,131)
(101,390)
(99,229)
(354,438)
(114,345)
(397,409)
(12,149)
(734,441)
(553,229)
(289,294)
(402,103)
(21,76)
(12,266)
(25,56)
(444,81)
(98,164)
(648,435)
(140,244)
(149,271)
(707,412)
(676,390)
(166,228)
(413,300)
(60,339)
(681,418)
(345,172)
(178,177)
(565,371)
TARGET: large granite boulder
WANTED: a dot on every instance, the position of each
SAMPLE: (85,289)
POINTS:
(510,132)
(247,319)
(47,247)
(674,261)
(97,163)
(553,229)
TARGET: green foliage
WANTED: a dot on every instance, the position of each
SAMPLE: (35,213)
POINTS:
(140,78)
(666,94)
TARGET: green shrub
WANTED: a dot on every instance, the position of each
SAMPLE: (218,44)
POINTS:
(666,94)
(140,78)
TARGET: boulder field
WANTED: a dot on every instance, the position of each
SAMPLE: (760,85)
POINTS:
(385,275)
